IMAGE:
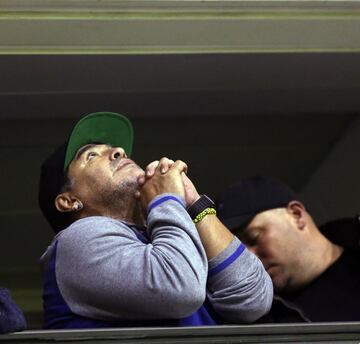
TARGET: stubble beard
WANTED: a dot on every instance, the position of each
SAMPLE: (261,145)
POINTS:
(120,202)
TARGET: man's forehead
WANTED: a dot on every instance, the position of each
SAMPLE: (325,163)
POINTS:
(266,217)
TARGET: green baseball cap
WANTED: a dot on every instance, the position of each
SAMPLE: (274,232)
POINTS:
(100,127)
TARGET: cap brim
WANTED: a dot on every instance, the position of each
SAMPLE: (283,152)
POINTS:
(237,222)
(100,127)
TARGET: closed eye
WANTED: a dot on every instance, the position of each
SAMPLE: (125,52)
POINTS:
(252,238)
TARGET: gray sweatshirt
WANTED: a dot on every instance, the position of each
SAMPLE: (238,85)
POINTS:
(109,270)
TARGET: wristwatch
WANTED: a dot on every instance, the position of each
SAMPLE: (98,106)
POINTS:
(200,205)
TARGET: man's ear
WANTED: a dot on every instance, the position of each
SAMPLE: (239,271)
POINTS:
(66,202)
(298,211)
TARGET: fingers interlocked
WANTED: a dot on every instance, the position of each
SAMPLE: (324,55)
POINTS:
(161,176)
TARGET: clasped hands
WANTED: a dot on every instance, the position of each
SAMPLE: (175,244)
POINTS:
(166,176)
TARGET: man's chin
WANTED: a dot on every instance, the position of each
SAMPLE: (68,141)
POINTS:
(280,282)
(279,287)
(131,172)
(136,169)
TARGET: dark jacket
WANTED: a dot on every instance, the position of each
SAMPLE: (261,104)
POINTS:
(11,317)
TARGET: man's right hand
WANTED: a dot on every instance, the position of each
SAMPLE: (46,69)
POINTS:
(162,176)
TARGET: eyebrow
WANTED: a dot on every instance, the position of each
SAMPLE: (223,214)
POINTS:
(83,149)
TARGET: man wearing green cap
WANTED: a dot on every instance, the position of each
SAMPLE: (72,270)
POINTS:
(137,248)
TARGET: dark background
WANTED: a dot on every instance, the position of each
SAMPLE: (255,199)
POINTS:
(294,116)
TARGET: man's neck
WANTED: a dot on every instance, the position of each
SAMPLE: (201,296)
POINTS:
(129,211)
(135,215)
(334,253)
(317,255)
(132,213)
(324,254)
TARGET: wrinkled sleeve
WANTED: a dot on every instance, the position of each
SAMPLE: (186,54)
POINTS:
(239,289)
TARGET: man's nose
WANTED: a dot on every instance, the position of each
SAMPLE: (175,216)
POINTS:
(117,153)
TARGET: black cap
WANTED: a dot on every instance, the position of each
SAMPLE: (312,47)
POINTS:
(241,202)
(52,179)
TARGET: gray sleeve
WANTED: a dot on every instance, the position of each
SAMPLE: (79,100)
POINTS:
(239,289)
(104,271)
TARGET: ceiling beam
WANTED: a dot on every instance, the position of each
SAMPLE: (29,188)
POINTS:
(164,26)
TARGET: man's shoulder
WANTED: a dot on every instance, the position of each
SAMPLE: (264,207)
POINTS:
(350,259)
(94,226)
(344,232)
(283,311)
(86,221)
